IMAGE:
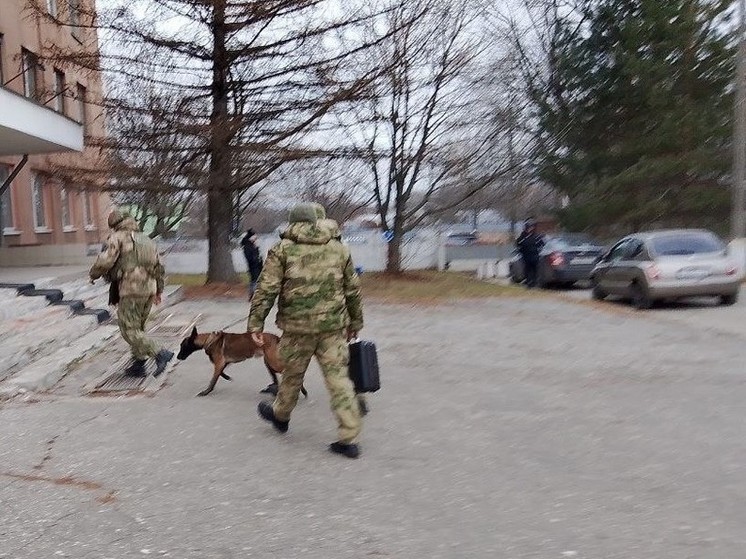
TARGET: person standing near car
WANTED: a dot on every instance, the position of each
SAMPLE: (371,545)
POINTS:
(529,244)
(253,257)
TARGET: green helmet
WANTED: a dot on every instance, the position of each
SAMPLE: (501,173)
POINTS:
(115,218)
(320,211)
(303,213)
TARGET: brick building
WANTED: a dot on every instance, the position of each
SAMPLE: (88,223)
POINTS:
(46,108)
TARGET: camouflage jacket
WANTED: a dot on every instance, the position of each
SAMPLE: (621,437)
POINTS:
(131,259)
(315,279)
(332,226)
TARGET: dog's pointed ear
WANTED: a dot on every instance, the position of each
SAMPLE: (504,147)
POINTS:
(194,333)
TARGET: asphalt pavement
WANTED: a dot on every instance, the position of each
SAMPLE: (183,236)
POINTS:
(507,428)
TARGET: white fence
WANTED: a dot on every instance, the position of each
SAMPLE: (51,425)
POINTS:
(420,252)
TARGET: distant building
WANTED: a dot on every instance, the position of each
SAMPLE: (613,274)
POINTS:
(45,111)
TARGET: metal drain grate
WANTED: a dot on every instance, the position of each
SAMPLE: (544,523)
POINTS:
(113,381)
(117,381)
(173,328)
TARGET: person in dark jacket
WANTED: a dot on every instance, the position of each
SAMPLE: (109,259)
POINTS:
(529,244)
(253,259)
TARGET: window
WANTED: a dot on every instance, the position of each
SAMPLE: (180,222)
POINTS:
(74,6)
(620,250)
(87,213)
(687,244)
(40,214)
(52,8)
(636,250)
(81,104)
(59,91)
(6,218)
(67,222)
(30,67)
(2,80)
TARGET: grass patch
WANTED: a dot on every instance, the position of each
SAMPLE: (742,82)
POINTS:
(413,287)
(430,286)
(195,288)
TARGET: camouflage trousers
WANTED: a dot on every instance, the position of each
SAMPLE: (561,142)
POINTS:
(332,353)
(132,314)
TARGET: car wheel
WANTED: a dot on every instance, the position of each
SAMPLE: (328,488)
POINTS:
(729,300)
(597,293)
(640,298)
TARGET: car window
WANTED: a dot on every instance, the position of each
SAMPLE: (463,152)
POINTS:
(635,249)
(618,251)
(686,244)
(570,240)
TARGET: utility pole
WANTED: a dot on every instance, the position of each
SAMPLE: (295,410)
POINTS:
(738,215)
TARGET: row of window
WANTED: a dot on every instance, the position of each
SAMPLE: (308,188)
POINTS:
(33,77)
(39,202)
(74,14)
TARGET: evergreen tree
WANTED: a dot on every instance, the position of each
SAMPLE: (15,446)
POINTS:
(639,134)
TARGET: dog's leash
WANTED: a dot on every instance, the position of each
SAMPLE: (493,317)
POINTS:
(232,324)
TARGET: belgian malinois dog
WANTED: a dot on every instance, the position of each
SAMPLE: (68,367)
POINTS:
(224,348)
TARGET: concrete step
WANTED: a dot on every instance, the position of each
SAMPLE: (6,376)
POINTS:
(13,304)
(30,313)
(50,356)
(47,371)
(12,307)
(32,344)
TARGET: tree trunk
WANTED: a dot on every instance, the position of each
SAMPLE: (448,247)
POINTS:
(393,257)
(394,253)
(219,201)
(220,262)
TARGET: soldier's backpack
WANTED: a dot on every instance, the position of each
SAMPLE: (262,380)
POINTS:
(144,253)
(363,368)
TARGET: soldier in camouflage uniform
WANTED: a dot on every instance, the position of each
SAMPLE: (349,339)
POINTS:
(333,227)
(130,258)
(319,310)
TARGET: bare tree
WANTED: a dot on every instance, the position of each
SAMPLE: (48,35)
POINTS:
(336,183)
(147,170)
(423,132)
(249,80)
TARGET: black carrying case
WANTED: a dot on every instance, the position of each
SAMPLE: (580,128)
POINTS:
(364,366)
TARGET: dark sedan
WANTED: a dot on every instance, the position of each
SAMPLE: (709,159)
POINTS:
(566,258)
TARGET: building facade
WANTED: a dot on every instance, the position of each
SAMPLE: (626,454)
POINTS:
(49,214)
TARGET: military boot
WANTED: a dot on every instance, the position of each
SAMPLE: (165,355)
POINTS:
(136,369)
(350,450)
(268,414)
(161,360)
